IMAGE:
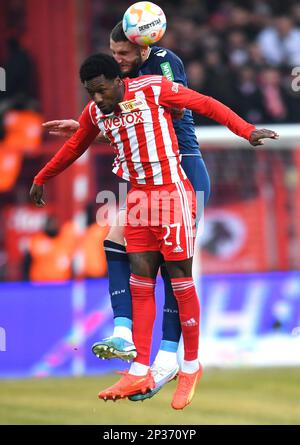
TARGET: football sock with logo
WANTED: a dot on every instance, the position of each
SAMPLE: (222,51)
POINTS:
(143,315)
(189,313)
(119,289)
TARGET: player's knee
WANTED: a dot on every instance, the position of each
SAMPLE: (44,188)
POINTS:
(145,265)
(142,269)
(179,269)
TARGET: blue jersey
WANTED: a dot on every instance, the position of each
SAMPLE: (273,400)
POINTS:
(164,62)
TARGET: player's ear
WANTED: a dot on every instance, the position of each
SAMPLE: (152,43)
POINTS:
(144,50)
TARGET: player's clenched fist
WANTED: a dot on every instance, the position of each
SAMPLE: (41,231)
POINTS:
(36,195)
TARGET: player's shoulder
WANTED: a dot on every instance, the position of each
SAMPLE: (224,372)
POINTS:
(161,54)
(144,82)
(90,112)
(89,106)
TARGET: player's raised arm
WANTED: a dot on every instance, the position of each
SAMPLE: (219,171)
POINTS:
(173,94)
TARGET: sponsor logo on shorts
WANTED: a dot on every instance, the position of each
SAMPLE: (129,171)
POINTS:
(178,249)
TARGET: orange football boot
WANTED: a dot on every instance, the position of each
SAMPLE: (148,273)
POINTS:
(128,385)
(186,387)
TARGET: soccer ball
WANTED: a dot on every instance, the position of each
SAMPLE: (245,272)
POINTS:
(144,23)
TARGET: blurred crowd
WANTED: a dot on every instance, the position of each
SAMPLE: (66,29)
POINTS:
(20,117)
(73,250)
(240,52)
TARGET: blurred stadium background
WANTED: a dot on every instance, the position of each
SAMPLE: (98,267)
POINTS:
(54,300)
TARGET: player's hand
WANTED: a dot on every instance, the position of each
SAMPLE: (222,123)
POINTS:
(177,113)
(64,128)
(257,136)
(36,195)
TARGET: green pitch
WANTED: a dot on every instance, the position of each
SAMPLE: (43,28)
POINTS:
(247,396)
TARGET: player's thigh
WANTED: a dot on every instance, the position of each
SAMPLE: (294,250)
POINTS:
(179,269)
(145,264)
(116,232)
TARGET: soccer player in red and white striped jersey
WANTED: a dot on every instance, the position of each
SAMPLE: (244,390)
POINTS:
(134,115)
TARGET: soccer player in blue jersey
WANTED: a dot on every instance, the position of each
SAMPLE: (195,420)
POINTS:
(135,61)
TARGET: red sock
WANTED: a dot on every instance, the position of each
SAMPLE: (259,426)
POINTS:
(189,314)
(143,315)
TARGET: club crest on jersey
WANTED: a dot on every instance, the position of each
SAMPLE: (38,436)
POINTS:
(175,87)
(123,120)
(134,104)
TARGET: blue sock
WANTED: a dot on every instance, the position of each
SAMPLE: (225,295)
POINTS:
(118,275)
(171,322)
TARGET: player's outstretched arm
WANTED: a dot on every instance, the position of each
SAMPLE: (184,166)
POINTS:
(173,94)
(64,128)
(257,136)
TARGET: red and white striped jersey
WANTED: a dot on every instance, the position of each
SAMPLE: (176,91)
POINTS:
(140,130)
(142,133)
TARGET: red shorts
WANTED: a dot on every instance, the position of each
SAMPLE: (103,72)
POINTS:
(161,218)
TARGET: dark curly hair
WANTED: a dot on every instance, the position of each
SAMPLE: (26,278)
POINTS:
(97,65)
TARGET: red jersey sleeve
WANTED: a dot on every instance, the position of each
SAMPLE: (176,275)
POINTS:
(176,95)
(72,149)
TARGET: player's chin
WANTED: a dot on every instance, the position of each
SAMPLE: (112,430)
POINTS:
(105,110)
(125,70)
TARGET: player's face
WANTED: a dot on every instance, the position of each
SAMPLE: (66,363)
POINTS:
(128,56)
(106,93)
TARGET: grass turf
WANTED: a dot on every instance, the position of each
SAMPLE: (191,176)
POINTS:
(244,396)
